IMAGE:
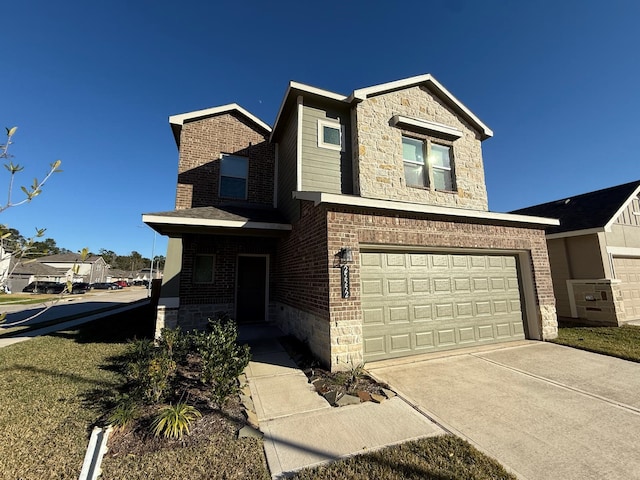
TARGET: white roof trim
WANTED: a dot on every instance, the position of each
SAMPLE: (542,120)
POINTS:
(318,91)
(624,251)
(364,93)
(419,124)
(635,193)
(183,117)
(200,222)
(575,233)
(352,201)
(306,89)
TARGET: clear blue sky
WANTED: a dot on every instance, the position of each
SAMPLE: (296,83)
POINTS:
(92,84)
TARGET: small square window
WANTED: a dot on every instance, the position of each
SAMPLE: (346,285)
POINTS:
(234,171)
(203,268)
(330,134)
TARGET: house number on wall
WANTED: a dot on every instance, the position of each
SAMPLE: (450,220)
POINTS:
(344,281)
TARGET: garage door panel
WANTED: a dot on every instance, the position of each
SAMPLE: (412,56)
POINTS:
(437,302)
(371,287)
(425,340)
(486,332)
(395,285)
(627,269)
(400,343)
(422,312)
(373,316)
(399,314)
(467,335)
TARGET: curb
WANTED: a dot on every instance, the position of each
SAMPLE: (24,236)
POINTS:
(95,451)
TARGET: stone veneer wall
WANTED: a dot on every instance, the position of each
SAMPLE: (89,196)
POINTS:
(377,150)
(598,302)
(353,227)
(201,143)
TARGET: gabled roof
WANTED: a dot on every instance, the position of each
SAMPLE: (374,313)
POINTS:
(176,121)
(296,88)
(593,210)
(67,258)
(33,268)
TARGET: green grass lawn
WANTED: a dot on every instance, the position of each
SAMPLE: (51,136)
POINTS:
(622,342)
(436,458)
(17,299)
(53,390)
(50,391)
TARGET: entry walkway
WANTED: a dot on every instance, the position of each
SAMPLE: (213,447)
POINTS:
(300,428)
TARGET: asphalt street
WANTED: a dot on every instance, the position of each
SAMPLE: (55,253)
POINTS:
(70,305)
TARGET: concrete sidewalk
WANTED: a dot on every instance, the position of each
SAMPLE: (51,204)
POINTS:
(301,429)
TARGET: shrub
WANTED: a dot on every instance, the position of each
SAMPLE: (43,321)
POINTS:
(150,370)
(124,413)
(175,343)
(222,358)
(174,421)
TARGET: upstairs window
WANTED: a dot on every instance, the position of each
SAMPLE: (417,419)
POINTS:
(234,172)
(427,164)
(330,134)
(414,166)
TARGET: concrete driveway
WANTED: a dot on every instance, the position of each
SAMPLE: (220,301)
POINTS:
(544,411)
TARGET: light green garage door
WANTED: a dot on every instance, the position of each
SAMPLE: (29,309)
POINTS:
(422,302)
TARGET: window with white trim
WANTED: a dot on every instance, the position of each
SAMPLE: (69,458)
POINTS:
(427,163)
(329,134)
(234,171)
(204,268)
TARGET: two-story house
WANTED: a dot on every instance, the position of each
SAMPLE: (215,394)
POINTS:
(358,223)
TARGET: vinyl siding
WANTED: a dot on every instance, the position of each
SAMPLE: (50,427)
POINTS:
(560,272)
(323,169)
(630,215)
(287,173)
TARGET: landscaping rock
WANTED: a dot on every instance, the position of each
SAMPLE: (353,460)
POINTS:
(252,418)
(347,400)
(247,402)
(331,397)
(321,386)
(378,398)
(389,393)
(364,396)
(249,432)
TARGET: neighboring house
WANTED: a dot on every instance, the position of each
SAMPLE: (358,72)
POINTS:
(72,267)
(25,272)
(595,254)
(358,223)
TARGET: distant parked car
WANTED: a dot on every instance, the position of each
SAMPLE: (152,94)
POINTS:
(105,286)
(81,287)
(143,283)
(45,287)
(121,283)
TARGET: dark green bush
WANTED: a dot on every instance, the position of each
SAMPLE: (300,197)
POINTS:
(223,360)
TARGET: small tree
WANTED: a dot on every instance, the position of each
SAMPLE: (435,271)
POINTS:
(20,248)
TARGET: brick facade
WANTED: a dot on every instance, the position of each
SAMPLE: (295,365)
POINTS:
(198,301)
(309,302)
(201,143)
